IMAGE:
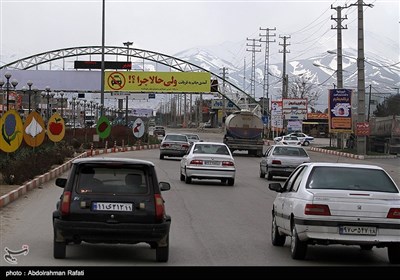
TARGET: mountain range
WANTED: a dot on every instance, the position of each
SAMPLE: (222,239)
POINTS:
(319,70)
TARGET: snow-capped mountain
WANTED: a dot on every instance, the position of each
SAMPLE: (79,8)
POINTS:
(319,70)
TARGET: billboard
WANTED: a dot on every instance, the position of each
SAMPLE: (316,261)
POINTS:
(157,81)
(339,104)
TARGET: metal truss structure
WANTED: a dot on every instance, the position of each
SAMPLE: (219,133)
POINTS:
(231,92)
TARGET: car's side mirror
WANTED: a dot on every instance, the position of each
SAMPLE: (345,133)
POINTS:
(276,187)
(61,182)
(164,186)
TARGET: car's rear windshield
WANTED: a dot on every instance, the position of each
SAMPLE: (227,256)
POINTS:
(174,137)
(112,179)
(289,151)
(355,179)
(210,149)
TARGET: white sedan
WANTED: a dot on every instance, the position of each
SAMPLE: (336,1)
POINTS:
(304,138)
(337,203)
(208,160)
(289,140)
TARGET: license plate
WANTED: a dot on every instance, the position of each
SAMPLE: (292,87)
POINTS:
(112,206)
(355,230)
(176,146)
(210,162)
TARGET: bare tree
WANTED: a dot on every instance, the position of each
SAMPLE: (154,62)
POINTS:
(302,87)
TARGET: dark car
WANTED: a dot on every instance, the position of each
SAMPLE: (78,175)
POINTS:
(112,200)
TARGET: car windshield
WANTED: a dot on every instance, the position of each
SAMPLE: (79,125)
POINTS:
(108,179)
(175,137)
(193,137)
(355,179)
(289,151)
(210,149)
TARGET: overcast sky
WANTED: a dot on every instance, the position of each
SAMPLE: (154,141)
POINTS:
(30,27)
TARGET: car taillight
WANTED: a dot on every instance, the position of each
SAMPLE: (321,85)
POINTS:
(317,209)
(394,213)
(65,203)
(159,206)
(276,161)
(196,161)
(165,145)
(185,146)
(228,163)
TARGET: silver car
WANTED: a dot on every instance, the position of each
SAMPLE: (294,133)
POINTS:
(208,160)
(174,145)
(337,203)
(281,160)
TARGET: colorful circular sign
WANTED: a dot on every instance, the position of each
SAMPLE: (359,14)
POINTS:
(56,128)
(34,129)
(116,81)
(138,128)
(11,131)
(103,127)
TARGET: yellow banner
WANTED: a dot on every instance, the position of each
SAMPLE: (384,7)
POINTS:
(157,81)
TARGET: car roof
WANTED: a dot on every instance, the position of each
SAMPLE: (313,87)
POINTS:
(346,165)
(112,160)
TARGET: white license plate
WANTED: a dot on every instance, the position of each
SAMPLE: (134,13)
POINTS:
(112,206)
(176,146)
(355,230)
(210,162)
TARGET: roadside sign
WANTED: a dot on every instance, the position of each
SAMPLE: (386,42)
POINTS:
(138,128)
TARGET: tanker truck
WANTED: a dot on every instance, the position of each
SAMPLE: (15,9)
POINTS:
(244,131)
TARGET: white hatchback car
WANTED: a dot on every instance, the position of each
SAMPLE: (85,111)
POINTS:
(337,203)
(208,160)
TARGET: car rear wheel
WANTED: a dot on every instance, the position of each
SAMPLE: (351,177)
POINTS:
(59,250)
(163,252)
(223,181)
(188,180)
(269,175)
(262,174)
(298,248)
(306,143)
(182,178)
(394,253)
(161,156)
(276,238)
(231,182)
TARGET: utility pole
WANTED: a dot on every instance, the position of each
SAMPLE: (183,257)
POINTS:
(127,44)
(339,68)
(223,96)
(361,140)
(266,69)
(284,76)
(254,48)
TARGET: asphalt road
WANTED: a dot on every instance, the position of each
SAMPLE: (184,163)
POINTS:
(212,225)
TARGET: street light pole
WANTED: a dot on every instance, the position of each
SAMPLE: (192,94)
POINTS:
(62,104)
(8,76)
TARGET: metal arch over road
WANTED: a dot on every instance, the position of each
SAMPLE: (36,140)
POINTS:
(234,94)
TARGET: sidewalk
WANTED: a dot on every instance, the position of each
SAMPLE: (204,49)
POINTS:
(9,193)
